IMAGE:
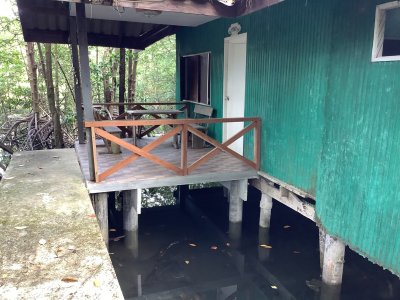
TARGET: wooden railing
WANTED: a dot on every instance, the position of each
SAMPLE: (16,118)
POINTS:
(183,106)
(182,126)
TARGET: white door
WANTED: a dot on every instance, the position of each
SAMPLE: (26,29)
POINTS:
(234,86)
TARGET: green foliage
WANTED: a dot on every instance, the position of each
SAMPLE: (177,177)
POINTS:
(156,72)
(14,85)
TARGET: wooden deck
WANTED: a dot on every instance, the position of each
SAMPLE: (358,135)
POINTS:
(143,173)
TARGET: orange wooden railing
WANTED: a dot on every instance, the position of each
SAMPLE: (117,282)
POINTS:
(182,126)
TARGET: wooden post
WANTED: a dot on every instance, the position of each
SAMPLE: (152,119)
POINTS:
(85,79)
(130,213)
(182,192)
(184,144)
(77,79)
(332,270)
(265,211)
(100,205)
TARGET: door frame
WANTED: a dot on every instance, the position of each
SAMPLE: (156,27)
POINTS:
(235,39)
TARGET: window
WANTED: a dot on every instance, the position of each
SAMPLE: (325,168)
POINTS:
(195,78)
(387,32)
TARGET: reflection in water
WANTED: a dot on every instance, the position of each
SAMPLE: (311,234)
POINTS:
(198,254)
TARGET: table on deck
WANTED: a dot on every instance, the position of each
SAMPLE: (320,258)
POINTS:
(157,114)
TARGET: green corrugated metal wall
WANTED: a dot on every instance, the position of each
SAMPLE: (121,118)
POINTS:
(357,195)
(328,113)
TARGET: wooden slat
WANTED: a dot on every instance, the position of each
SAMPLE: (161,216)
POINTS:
(221,147)
(140,152)
(166,122)
(184,145)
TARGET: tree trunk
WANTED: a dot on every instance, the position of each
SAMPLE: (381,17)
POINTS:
(130,75)
(106,77)
(122,72)
(134,73)
(33,79)
(114,69)
(48,71)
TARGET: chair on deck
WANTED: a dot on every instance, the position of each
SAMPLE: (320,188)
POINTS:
(102,114)
(201,112)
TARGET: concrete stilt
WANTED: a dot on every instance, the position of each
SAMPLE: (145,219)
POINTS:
(100,205)
(332,269)
(265,210)
(237,194)
(263,239)
(235,234)
(130,213)
(132,242)
(322,235)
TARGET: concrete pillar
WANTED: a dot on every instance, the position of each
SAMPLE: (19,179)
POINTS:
(263,239)
(131,242)
(322,235)
(130,213)
(235,234)
(237,194)
(100,205)
(265,210)
(332,269)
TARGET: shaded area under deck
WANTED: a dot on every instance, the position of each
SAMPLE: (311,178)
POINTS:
(143,173)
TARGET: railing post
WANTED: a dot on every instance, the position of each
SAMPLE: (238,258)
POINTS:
(257,144)
(94,171)
(184,145)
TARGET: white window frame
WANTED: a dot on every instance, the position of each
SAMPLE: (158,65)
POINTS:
(379,32)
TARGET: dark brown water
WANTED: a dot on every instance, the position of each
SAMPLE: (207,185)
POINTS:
(196,254)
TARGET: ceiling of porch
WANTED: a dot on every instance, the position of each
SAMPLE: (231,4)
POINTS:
(133,24)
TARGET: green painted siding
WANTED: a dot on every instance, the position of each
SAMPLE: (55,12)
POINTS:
(330,117)
(357,193)
(287,59)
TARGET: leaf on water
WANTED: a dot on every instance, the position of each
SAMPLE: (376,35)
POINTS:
(97,283)
(286,226)
(296,252)
(214,248)
(56,157)
(20,227)
(187,262)
(265,246)
(113,229)
(8,178)
(69,279)
(274,287)
(116,239)
(42,241)
(92,216)
(192,245)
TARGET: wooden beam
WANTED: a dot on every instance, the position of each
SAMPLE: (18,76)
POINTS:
(199,7)
(242,8)
(158,34)
(77,79)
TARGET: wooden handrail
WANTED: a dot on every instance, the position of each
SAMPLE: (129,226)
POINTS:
(182,126)
(167,122)
(139,103)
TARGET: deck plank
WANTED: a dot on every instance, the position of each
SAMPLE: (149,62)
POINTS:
(143,173)
(49,232)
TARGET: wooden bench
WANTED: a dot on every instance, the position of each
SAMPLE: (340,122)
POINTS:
(201,112)
(101,114)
